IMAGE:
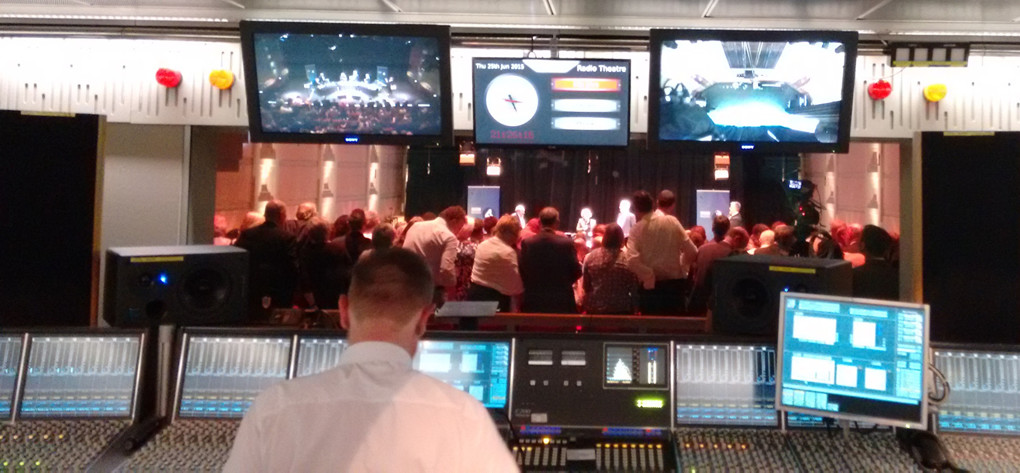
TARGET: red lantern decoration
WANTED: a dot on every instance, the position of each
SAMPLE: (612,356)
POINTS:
(879,89)
(168,77)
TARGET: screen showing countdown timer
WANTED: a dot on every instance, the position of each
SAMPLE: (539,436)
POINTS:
(552,102)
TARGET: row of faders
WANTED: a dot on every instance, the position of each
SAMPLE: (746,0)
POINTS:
(194,445)
(726,449)
(78,397)
(556,454)
(821,450)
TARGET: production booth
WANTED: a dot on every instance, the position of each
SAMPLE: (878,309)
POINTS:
(848,385)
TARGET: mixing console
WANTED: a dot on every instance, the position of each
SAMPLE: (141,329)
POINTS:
(985,396)
(223,374)
(544,454)
(80,376)
(984,453)
(726,385)
(706,449)
(192,445)
(316,355)
(819,450)
(55,445)
(10,361)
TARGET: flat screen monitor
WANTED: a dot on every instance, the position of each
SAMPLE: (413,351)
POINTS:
(81,376)
(854,359)
(751,91)
(10,363)
(480,368)
(551,102)
(348,83)
(318,354)
(636,365)
(728,385)
(222,374)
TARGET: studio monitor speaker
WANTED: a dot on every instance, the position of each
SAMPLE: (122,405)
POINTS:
(747,288)
(184,285)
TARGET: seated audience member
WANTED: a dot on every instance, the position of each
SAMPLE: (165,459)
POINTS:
(765,240)
(272,262)
(469,238)
(755,236)
(597,235)
(660,254)
(720,225)
(436,241)
(495,275)
(549,268)
(784,242)
(325,267)
(531,229)
(851,244)
(373,412)
(877,278)
(488,225)
(732,243)
(609,287)
(777,224)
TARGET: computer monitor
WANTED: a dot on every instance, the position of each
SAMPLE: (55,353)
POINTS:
(480,368)
(222,374)
(81,376)
(853,359)
(10,363)
(318,353)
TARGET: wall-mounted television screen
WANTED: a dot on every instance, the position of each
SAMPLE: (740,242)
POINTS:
(348,83)
(552,102)
(751,91)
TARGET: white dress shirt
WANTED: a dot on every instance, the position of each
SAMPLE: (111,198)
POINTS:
(434,241)
(496,267)
(626,222)
(658,249)
(372,413)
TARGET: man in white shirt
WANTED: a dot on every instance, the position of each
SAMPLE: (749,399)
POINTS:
(625,219)
(373,412)
(660,253)
(436,241)
(519,213)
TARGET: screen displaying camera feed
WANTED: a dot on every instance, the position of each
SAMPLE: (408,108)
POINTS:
(636,366)
(751,91)
(552,102)
(348,84)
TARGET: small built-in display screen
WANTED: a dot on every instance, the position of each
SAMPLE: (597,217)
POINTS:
(636,365)
(853,359)
(480,368)
(81,376)
(10,362)
(316,355)
(224,374)
(552,102)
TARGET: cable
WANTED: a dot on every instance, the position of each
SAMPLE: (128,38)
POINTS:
(941,380)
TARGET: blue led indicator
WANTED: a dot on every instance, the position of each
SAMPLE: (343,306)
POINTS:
(746,146)
(351,139)
(163,279)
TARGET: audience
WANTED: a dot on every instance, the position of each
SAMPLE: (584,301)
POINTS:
(495,275)
(784,242)
(324,267)
(734,241)
(765,240)
(609,286)
(355,242)
(877,278)
(660,254)
(468,239)
(549,268)
(436,241)
(302,219)
(697,235)
(272,266)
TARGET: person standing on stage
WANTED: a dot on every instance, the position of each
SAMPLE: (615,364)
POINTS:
(273,272)
(436,241)
(373,412)
(736,220)
(586,226)
(625,219)
(659,252)
(519,213)
(549,268)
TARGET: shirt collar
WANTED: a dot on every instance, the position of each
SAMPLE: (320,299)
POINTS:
(365,352)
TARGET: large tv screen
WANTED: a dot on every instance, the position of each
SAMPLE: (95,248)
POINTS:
(552,102)
(345,83)
(764,91)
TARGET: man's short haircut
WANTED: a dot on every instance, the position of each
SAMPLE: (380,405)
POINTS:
(720,225)
(642,202)
(276,211)
(305,211)
(785,239)
(548,217)
(383,236)
(453,213)
(393,285)
(357,220)
(613,239)
(666,199)
(875,241)
(739,237)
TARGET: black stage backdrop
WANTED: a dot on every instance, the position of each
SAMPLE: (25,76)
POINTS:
(571,179)
(47,190)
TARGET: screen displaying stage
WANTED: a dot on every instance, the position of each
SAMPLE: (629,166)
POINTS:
(552,102)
